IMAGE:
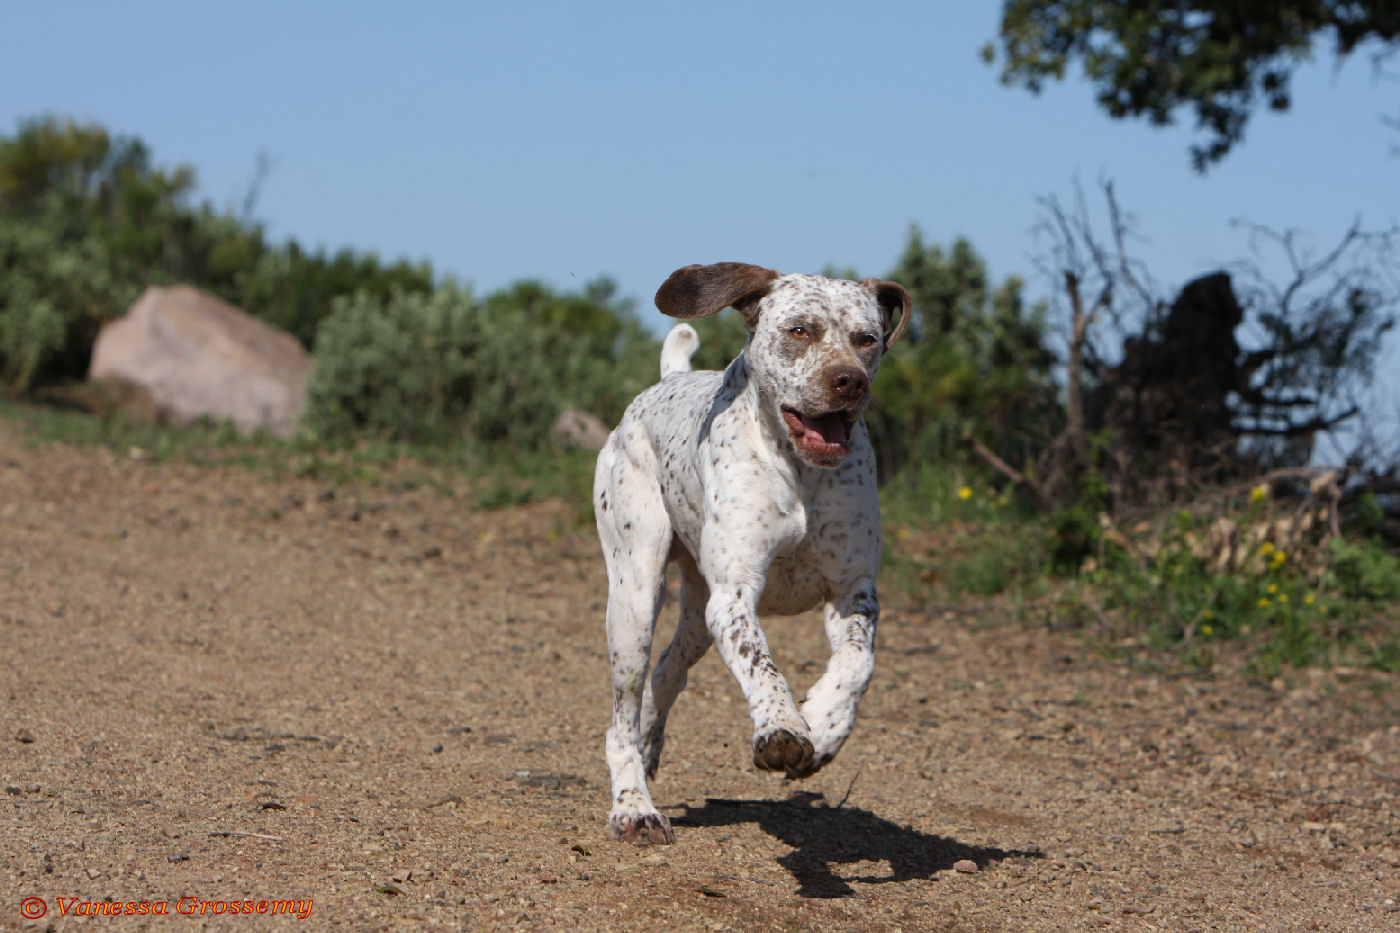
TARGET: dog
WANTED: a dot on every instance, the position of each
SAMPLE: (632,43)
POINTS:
(759,483)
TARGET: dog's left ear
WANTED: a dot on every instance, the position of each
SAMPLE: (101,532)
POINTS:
(892,298)
(699,291)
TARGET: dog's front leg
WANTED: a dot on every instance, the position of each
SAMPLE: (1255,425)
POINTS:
(780,741)
(830,706)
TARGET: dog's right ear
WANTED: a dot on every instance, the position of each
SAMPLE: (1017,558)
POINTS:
(699,291)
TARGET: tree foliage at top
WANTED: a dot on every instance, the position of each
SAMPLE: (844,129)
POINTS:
(1221,59)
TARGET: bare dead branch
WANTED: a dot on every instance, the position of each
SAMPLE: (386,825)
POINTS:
(1040,494)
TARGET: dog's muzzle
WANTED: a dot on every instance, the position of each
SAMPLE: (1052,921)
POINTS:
(824,438)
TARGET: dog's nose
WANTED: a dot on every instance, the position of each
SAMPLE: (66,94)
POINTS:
(848,382)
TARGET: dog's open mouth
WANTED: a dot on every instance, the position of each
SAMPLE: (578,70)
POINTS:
(823,439)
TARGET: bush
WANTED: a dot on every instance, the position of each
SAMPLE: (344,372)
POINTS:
(545,351)
(397,369)
(442,367)
(1237,575)
(1363,570)
(1312,604)
(55,293)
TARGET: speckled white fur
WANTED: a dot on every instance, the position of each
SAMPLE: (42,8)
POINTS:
(704,471)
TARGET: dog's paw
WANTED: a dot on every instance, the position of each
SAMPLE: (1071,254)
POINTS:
(781,750)
(641,828)
(816,764)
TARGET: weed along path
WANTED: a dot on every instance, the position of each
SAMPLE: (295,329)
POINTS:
(233,703)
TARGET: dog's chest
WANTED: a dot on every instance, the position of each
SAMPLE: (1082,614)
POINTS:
(739,502)
(793,585)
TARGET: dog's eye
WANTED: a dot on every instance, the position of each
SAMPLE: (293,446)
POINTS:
(800,332)
(866,340)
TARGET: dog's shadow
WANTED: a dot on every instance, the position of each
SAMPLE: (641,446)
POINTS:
(823,836)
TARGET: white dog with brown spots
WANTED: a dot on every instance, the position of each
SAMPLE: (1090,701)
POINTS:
(759,482)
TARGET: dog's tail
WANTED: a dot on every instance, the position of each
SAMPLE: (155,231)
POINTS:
(681,344)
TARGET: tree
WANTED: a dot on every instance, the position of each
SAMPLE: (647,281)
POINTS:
(1236,373)
(95,173)
(81,213)
(974,361)
(88,219)
(1221,59)
(1315,336)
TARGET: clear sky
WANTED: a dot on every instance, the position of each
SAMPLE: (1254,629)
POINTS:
(563,140)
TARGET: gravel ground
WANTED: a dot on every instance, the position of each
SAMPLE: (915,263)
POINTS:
(376,708)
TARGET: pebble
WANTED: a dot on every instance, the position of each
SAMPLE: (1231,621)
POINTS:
(966,866)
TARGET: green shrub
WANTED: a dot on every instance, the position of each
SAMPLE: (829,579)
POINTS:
(545,351)
(55,292)
(399,369)
(947,526)
(296,290)
(1363,570)
(31,333)
(996,565)
(444,368)
(1074,538)
(1326,605)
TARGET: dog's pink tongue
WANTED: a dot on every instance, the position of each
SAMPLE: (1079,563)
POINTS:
(820,432)
(833,428)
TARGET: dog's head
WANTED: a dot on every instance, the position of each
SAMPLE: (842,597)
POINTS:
(814,343)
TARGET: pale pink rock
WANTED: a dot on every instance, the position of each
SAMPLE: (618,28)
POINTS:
(196,355)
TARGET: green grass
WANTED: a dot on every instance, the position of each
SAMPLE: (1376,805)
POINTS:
(488,477)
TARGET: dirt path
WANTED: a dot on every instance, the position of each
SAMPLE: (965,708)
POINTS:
(222,689)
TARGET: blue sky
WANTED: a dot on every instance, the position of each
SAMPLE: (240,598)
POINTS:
(561,141)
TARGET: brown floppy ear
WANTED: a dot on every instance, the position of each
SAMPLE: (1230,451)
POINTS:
(699,291)
(892,298)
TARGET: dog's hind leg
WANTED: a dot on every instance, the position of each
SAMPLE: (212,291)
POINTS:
(691,641)
(636,537)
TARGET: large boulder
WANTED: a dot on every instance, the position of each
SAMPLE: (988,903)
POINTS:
(195,356)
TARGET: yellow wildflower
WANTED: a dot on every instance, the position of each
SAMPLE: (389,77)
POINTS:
(1309,599)
(965,493)
(1279,557)
(1259,493)
(1283,597)
(1206,630)
(1271,589)
(1265,603)
(1266,548)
